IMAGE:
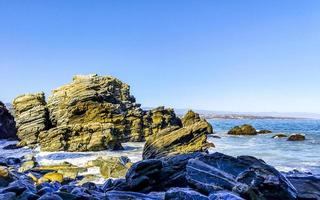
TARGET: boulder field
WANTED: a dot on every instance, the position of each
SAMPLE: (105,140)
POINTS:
(95,113)
(199,176)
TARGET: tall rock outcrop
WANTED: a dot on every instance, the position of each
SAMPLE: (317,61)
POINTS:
(98,112)
(95,113)
(187,138)
(31,117)
(7,123)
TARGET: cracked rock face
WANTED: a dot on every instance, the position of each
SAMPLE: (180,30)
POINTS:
(31,117)
(91,113)
(7,123)
(187,138)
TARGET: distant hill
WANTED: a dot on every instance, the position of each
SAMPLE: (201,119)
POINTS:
(233,115)
(249,115)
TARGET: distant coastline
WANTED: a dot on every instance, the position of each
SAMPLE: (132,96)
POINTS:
(207,114)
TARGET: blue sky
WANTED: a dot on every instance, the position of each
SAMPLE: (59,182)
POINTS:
(216,54)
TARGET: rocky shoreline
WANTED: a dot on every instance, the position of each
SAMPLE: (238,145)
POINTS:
(95,113)
(186,176)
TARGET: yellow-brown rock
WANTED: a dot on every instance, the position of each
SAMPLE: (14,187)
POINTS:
(179,139)
(31,117)
(54,177)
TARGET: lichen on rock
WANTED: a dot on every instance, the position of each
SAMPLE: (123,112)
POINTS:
(92,113)
(31,117)
(174,140)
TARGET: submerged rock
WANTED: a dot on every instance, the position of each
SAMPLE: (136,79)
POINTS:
(191,137)
(7,124)
(245,129)
(31,117)
(296,137)
(264,131)
(280,135)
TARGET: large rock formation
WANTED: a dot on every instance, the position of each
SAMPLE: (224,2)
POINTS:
(31,117)
(7,123)
(92,113)
(187,138)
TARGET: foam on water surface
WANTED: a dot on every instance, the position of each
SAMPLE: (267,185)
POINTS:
(282,154)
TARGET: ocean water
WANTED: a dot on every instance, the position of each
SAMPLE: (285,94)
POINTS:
(284,155)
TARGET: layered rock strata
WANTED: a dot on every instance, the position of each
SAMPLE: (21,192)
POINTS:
(190,137)
(31,117)
(91,113)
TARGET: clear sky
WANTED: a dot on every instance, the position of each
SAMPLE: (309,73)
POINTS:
(226,55)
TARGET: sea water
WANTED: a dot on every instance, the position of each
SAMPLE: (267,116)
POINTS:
(284,155)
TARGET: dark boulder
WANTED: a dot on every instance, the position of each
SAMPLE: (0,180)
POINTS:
(7,124)
(296,137)
(262,180)
(159,175)
(280,135)
(184,194)
(224,195)
(264,131)
(120,195)
(209,179)
(307,185)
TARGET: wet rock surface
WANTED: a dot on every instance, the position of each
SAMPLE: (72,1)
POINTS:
(188,176)
(296,137)
(7,123)
(307,185)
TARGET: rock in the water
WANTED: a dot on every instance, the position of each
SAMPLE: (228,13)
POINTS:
(264,131)
(179,140)
(280,135)
(7,124)
(31,117)
(245,129)
(296,137)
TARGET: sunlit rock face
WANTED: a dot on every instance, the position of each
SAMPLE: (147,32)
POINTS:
(190,136)
(91,113)
(31,117)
